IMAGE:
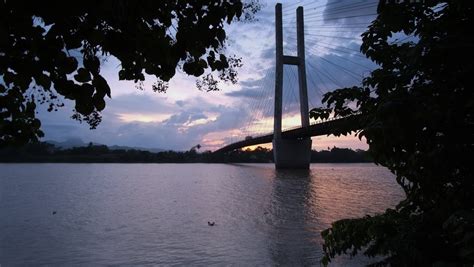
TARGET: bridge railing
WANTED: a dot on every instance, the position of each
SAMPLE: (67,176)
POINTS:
(319,128)
(298,126)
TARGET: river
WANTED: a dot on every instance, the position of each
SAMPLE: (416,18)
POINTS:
(157,214)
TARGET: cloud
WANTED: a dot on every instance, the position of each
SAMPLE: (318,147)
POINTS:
(340,12)
(189,122)
(178,132)
(184,116)
(140,102)
(180,103)
(246,92)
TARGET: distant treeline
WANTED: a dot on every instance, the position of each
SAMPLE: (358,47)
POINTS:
(45,152)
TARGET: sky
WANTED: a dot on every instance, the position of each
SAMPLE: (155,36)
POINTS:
(184,116)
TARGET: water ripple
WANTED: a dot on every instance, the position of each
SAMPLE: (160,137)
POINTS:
(149,214)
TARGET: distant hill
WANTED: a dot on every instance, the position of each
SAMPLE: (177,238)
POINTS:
(153,150)
(69,143)
(78,142)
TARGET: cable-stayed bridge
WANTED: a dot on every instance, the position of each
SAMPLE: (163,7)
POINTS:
(327,57)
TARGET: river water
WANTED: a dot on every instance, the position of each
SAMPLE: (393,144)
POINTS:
(140,214)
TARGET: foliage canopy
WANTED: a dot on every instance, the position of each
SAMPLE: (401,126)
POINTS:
(55,49)
(418,109)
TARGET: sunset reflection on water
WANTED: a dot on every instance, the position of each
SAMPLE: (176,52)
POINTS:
(135,214)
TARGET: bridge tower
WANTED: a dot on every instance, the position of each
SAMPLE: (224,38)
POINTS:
(290,153)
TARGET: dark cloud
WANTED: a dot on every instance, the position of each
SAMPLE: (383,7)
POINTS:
(180,103)
(347,12)
(246,92)
(254,88)
(268,53)
(184,117)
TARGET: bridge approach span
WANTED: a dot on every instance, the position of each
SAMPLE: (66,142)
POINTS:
(350,123)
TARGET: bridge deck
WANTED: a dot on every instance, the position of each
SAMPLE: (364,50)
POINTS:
(350,123)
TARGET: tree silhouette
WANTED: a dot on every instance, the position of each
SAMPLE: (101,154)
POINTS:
(55,49)
(418,110)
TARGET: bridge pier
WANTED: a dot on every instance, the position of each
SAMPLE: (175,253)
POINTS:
(292,153)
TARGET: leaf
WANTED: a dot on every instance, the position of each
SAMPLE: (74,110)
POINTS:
(82,75)
(220,35)
(73,41)
(193,68)
(84,107)
(101,85)
(86,91)
(65,87)
(92,63)
(43,80)
(99,102)
(8,78)
(69,65)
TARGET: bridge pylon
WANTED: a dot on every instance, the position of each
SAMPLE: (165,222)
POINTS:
(290,153)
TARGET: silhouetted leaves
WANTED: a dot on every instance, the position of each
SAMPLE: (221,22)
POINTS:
(418,118)
(320,113)
(102,88)
(43,80)
(207,83)
(82,75)
(160,86)
(92,63)
(41,42)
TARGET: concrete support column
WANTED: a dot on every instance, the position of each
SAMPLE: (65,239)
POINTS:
(303,88)
(278,72)
(287,153)
(292,153)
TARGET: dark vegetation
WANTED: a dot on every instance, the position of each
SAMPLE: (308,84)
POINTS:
(51,51)
(45,152)
(418,108)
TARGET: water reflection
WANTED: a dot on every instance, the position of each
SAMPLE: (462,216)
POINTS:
(292,219)
(303,203)
(157,214)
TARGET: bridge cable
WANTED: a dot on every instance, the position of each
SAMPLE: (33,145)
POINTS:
(353,74)
(265,109)
(327,16)
(260,86)
(327,76)
(334,11)
(313,83)
(307,6)
(313,50)
(265,102)
(323,77)
(356,54)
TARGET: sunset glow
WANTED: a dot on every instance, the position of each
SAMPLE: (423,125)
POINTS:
(187,116)
(147,118)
